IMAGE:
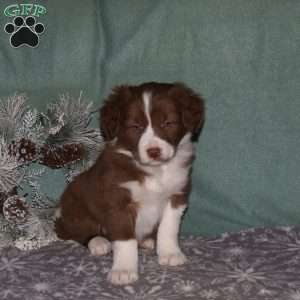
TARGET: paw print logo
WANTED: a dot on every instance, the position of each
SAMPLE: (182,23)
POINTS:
(24,31)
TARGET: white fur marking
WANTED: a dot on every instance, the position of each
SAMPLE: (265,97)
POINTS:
(99,246)
(125,262)
(147,106)
(150,140)
(57,213)
(125,152)
(157,188)
(168,249)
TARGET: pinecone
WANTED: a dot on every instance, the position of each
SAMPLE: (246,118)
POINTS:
(24,150)
(15,209)
(57,157)
(4,196)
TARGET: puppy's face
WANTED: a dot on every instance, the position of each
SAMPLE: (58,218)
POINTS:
(150,120)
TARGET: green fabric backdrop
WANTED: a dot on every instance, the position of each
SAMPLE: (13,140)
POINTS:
(242,56)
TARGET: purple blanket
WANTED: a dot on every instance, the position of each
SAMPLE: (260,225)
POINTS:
(254,264)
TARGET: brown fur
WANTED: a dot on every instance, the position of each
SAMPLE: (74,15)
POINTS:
(94,203)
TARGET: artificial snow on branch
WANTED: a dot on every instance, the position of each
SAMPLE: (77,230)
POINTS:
(12,111)
(11,173)
(68,133)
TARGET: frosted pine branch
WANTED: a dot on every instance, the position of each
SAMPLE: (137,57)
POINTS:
(17,121)
(13,108)
(10,173)
(12,111)
(30,127)
(24,133)
(69,116)
(68,122)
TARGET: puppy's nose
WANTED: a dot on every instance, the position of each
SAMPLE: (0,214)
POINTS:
(154,152)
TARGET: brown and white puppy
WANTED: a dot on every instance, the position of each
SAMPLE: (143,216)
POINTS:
(138,187)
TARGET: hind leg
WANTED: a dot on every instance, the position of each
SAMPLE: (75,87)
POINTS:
(74,224)
(82,232)
(147,243)
(99,246)
(73,219)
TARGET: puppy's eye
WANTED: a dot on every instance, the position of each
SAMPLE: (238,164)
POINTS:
(135,127)
(168,124)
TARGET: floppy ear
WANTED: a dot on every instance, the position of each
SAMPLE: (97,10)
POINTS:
(192,104)
(110,113)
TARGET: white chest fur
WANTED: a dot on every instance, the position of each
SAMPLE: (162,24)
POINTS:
(156,190)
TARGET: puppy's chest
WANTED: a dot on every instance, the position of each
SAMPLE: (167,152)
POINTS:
(154,192)
(160,183)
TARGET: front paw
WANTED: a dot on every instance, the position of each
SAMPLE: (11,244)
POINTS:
(121,277)
(172,259)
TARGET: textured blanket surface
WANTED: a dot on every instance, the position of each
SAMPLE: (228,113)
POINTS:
(254,264)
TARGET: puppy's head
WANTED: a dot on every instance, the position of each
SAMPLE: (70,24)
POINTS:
(150,120)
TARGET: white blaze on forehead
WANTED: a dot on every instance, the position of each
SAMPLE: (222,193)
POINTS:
(149,139)
(148,135)
(147,106)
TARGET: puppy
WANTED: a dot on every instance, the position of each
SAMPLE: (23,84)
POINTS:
(138,188)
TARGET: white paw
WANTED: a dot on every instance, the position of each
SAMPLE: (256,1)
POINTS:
(99,246)
(172,259)
(147,244)
(121,277)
